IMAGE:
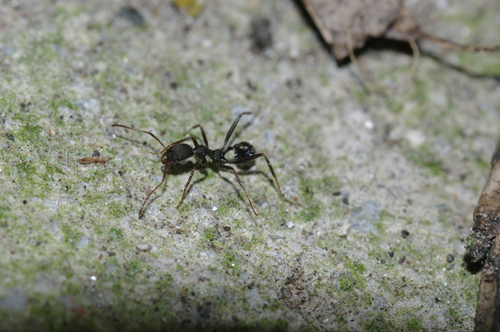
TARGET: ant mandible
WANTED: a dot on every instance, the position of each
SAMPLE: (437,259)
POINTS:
(244,153)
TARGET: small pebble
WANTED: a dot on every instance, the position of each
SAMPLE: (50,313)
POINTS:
(205,313)
(25,106)
(391,253)
(363,218)
(227,228)
(405,233)
(369,124)
(96,154)
(132,15)
(342,230)
(11,137)
(450,258)
(415,137)
(144,247)
(261,34)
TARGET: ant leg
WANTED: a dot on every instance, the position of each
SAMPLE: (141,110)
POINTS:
(202,133)
(244,160)
(230,132)
(187,184)
(156,138)
(142,131)
(241,185)
(162,180)
(195,142)
(178,142)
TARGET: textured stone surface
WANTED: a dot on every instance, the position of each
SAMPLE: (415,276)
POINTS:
(74,253)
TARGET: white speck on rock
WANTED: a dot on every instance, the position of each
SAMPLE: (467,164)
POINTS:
(206,43)
(290,224)
(369,124)
(415,137)
(342,230)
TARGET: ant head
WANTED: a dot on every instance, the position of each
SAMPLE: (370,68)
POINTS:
(166,159)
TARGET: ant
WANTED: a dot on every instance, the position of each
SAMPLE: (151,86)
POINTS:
(244,155)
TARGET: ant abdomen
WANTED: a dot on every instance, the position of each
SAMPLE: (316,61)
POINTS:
(242,151)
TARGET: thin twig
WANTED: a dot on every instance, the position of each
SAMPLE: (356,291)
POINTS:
(454,46)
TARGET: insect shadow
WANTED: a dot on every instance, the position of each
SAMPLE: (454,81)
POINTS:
(241,173)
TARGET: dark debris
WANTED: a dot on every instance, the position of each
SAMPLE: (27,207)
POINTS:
(261,34)
(132,15)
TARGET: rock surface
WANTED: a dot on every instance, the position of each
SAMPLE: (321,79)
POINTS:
(75,256)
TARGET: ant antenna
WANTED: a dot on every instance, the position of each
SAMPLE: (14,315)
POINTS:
(142,131)
(230,132)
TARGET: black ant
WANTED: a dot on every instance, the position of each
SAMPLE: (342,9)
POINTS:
(244,154)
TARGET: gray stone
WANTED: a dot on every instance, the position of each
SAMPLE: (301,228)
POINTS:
(16,301)
(363,217)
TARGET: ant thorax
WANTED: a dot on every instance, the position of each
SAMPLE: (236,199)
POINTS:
(217,156)
(201,151)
